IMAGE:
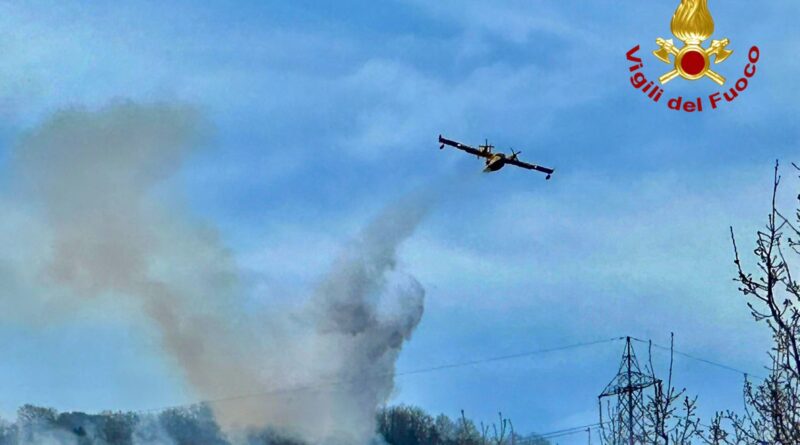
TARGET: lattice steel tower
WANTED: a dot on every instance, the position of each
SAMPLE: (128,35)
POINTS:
(625,401)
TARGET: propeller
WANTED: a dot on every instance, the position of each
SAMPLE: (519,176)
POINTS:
(514,154)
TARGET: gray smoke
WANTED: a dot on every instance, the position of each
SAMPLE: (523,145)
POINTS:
(100,223)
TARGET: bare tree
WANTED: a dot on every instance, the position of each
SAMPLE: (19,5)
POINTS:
(651,414)
(502,433)
(670,415)
(773,406)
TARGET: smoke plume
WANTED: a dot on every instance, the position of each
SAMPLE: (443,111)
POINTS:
(100,224)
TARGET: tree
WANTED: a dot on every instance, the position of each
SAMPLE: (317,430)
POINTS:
(670,415)
(405,425)
(33,419)
(8,433)
(192,425)
(497,433)
(641,410)
(772,413)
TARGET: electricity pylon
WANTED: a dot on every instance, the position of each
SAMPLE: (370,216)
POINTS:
(625,401)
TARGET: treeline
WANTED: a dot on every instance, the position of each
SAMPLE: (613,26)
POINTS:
(179,426)
(407,425)
(401,425)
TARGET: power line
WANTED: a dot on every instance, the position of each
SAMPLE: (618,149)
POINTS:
(549,435)
(456,365)
(463,364)
(699,359)
(560,433)
(571,433)
(320,385)
(565,432)
(506,357)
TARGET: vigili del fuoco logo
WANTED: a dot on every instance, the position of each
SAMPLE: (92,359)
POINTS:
(693,60)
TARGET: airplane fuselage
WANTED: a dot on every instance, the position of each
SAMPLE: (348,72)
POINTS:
(496,162)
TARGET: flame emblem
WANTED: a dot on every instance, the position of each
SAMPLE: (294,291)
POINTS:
(692,24)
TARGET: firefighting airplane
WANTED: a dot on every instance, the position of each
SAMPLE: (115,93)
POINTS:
(495,161)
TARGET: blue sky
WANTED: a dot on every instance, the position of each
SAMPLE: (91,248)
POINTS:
(322,113)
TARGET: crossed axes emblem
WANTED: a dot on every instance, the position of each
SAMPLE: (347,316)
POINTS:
(692,61)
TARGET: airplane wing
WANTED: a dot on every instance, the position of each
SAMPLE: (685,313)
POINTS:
(538,168)
(463,147)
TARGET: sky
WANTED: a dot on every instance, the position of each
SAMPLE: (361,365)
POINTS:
(322,113)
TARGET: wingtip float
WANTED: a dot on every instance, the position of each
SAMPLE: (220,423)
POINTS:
(495,161)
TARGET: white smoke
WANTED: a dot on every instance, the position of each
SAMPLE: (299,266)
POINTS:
(97,224)
(149,431)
